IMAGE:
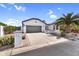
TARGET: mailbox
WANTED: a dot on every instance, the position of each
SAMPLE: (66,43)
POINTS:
(17,38)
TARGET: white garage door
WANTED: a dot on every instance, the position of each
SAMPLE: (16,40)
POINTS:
(32,29)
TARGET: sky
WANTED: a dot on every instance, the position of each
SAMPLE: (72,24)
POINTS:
(15,13)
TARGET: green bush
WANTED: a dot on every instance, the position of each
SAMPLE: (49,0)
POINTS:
(6,40)
(1,43)
(3,24)
(9,29)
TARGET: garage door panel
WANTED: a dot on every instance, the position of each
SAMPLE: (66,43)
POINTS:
(31,29)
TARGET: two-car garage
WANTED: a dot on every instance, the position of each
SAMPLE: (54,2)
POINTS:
(32,29)
(33,25)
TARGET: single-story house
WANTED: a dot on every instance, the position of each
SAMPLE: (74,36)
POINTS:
(36,25)
(33,25)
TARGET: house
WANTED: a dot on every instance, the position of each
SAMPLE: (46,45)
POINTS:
(33,25)
(37,25)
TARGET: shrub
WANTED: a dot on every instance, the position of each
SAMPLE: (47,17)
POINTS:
(1,42)
(9,29)
(3,24)
(6,40)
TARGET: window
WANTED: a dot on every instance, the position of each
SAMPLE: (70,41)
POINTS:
(53,27)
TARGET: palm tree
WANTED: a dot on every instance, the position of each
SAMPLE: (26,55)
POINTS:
(67,19)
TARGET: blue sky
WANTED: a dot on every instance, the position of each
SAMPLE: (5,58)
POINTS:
(15,13)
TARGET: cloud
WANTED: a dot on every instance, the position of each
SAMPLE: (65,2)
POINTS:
(13,22)
(53,16)
(11,3)
(50,11)
(20,8)
(59,8)
(2,5)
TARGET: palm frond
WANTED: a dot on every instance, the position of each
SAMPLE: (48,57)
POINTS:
(76,22)
(75,17)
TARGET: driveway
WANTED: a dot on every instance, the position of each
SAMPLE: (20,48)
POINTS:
(40,38)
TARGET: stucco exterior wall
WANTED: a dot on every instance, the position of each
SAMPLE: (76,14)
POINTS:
(50,27)
(53,27)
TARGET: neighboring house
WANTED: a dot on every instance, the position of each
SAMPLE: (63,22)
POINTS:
(37,25)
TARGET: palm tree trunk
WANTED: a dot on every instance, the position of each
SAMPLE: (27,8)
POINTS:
(67,29)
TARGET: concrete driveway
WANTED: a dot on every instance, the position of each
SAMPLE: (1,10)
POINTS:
(40,38)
